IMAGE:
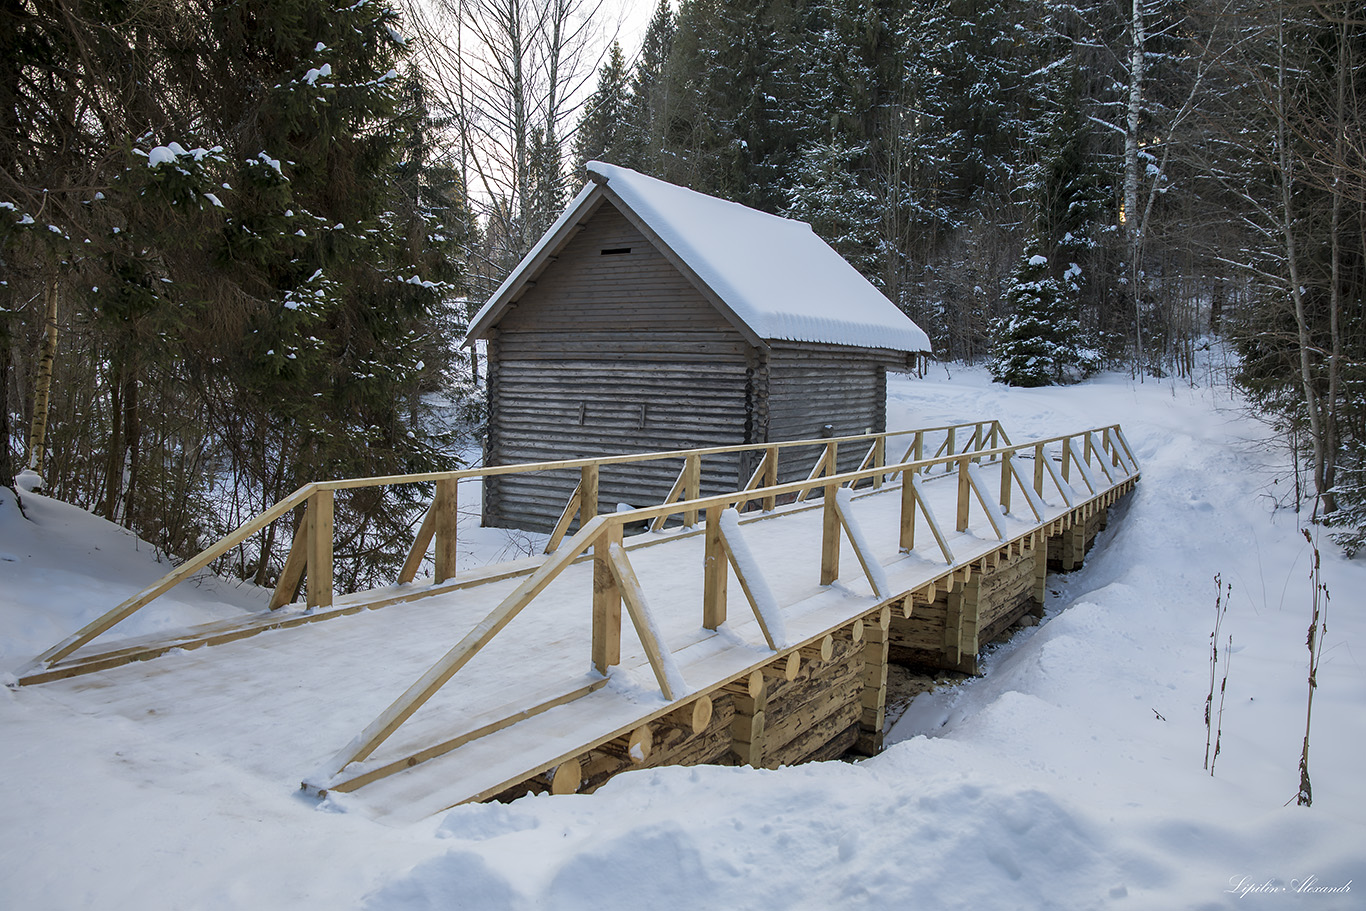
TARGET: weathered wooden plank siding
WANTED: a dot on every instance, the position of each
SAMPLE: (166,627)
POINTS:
(810,386)
(554,395)
(610,353)
(587,289)
(610,417)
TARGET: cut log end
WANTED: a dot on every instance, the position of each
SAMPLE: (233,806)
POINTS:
(820,650)
(693,717)
(634,747)
(785,668)
(756,685)
(566,777)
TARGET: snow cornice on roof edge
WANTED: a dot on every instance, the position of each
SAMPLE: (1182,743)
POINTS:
(772,277)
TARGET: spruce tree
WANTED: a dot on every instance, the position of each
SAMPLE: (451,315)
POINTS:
(848,181)
(604,132)
(647,104)
(261,275)
(1063,190)
(1039,343)
(324,253)
(729,131)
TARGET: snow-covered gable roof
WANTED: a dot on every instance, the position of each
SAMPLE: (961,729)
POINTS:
(772,275)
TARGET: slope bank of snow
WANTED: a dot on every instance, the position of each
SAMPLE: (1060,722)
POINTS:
(1070,776)
(61,567)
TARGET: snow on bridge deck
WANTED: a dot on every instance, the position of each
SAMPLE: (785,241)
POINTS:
(267,706)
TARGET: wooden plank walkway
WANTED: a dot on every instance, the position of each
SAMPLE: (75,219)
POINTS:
(524,676)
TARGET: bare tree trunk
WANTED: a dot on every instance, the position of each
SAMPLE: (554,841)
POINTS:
(1132,222)
(132,432)
(1286,165)
(37,441)
(6,368)
(1335,274)
(113,464)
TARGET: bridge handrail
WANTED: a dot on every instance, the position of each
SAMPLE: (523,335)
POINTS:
(614,581)
(311,551)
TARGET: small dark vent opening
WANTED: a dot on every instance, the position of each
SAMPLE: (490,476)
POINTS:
(615,251)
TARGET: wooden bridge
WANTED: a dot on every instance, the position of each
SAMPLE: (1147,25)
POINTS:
(952,537)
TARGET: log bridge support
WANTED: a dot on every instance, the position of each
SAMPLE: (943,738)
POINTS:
(828,698)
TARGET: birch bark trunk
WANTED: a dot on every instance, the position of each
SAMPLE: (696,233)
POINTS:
(47,354)
(1132,223)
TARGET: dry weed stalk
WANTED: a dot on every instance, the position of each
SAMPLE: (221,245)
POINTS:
(1318,628)
(1222,596)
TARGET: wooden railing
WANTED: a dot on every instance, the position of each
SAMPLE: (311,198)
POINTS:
(1089,456)
(310,557)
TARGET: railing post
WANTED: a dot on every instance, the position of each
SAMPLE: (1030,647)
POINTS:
(1087,449)
(879,459)
(606,602)
(588,493)
(907,512)
(1039,455)
(1005,480)
(830,537)
(714,572)
(771,477)
(692,486)
(919,446)
(319,572)
(950,448)
(964,491)
(1067,459)
(446,514)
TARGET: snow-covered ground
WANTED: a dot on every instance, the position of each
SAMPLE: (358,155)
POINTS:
(1070,776)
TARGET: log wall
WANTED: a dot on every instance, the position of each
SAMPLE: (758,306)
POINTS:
(803,707)
(811,386)
(609,277)
(950,631)
(1067,550)
(601,394)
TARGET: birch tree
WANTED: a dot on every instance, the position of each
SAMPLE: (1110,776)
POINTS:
(510,77)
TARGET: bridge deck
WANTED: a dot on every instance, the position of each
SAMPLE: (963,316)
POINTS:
(278,705)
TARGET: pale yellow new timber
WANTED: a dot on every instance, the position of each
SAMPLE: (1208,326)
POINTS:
(866,561)
(425,532)
(319,573)
(446,509)
(634,597)
(293,571)
(714,573)
(446,746)
(746,585)
(426,686)
(571,509)
(108,620)
(606,601)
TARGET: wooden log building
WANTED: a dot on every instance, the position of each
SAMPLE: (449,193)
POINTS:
(650,317)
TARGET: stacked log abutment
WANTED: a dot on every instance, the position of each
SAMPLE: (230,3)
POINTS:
(816,714)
